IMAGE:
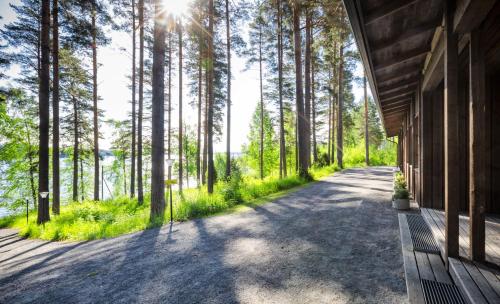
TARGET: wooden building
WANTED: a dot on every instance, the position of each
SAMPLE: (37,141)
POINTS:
(434,69)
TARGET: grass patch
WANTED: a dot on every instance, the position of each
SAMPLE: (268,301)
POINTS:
(91,220)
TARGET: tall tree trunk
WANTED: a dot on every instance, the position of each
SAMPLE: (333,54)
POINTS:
(301,118)
(329,142)
(307,100)
(205,133)
(186,155)
(32,167)
(179,28)
(43,108)
(94,97)
(56,192)
(313,101)
(158,117)
(76,150)
(367,139)
(124,176)
(210,147)
(140,189)
(82,183)
(169,110)
(228,135)
(283,171)
(132,155)
(334,97)
(198,135)
(261,146)
(340,143)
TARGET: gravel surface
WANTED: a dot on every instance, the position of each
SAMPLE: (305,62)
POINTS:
(334,241)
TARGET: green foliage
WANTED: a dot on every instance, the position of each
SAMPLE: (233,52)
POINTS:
(271,146)
(385,155)
(401,193)
(90,220)
(399,181)
(400,190)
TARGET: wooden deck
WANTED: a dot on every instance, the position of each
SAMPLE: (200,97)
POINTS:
(419,266)
(479,282)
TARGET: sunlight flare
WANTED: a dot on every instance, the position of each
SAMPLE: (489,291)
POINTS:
(176,8)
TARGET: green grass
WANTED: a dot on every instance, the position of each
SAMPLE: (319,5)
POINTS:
(91,220)
(355,156)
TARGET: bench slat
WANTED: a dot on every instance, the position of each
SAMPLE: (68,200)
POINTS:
(413,286)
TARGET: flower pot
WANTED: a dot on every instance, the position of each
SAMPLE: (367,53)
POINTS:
(401,204)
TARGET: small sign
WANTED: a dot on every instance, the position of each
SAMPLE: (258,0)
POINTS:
(170,182)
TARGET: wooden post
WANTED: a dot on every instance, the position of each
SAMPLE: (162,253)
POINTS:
(426,149)
(477,165)
(451,172)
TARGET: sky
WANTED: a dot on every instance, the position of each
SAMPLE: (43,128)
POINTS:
(115,66)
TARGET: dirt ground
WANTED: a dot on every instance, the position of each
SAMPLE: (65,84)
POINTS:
(334,241)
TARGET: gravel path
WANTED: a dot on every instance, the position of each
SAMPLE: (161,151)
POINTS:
(334,241)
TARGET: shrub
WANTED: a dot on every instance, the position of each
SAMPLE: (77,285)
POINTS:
(399,181)
(401,193)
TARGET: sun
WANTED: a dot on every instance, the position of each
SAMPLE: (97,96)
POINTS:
(176,8)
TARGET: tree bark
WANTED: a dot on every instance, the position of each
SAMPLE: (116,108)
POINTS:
(32,166)
(340,107)
(56,192)
(333,96)
(179,29)
(140,190)
(261,146)
(75,150)
(132,155)
(169,126)
(301,118)
(205,133)
(82,183)
(313,101)
(283,171)
(158,118)
(307,79)
(367,138)
(198,137)
(228,135)
(43,108)
(210,148)
(94,97)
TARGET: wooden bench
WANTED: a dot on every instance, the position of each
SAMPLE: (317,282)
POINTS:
(478,282)
(419,265)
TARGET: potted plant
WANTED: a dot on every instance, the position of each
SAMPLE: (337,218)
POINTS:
(401,197)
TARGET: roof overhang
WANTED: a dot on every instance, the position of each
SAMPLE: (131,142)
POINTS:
(394,38)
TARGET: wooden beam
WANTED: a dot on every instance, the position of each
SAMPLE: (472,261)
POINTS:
(403,72)
(396,109)
(400,87)
(395,85)
(387,9)
(401,92)
(407,34)
(470,13)
(396,103)
(433,73)
(402,58)
(414,73)
(426,149)
(451,120)
(477,164)
(398,96)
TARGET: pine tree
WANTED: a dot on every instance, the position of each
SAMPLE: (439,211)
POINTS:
(158,129)
(43,106)
(56,192)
